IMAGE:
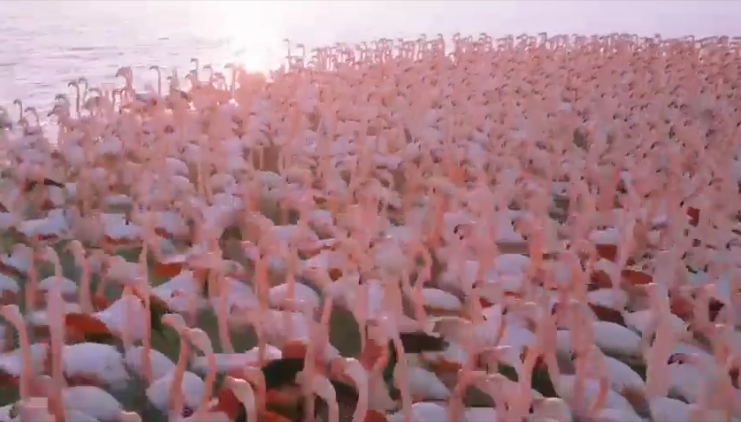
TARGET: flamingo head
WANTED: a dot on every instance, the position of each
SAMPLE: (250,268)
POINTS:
(175,321)
(63,98)
(240,387)
(200,339)
(58,110)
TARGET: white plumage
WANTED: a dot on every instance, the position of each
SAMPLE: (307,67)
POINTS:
(63,284)
(179,290)
(100,361)
(118,229)
(122,271)
(617,415)
(441,300)
(453,354)
(687,380)
(423,412)
(119,200)
(127,313)
(515,337)
(282,326)
(302,293)
(609,298)
(92,401)
(5,413)
(55,224)
(511,264)
(41,318)
(12,362)
(172,223)
(424,384)
(616,339)
(481,414)
(622,376)
(19,259)
(565,389)
(8,284)
(240,296)
(665,409)
(228,361)
(161,364)
(158,392)
(641,321)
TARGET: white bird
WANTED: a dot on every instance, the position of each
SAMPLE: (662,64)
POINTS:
(609,298)
(226,362)
(240,296)
(9,289)
(125,314)
(423,412)
(622,377)
(54,225)
(66,287)
(99,364)
(551,408)
(302,293)
(122,271)
(8,413)
(90,400)
(19,260)
(439,301)
(665,409)
(41,318)
(179,291)
(642,320)
(11,363)
(158,392)
(480,414)
(424,384)
(615,339)
(617,415)
(161,364)
(566,383)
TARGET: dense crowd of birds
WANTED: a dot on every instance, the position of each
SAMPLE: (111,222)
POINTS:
(528,228)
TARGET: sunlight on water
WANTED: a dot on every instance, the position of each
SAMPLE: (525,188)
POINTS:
(45,44)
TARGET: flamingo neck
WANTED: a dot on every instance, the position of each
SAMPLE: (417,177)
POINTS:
(176,388)
(209,381)
(26,372)
(84,297)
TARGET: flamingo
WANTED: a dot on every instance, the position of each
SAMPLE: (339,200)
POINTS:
(165,392)
(560,208)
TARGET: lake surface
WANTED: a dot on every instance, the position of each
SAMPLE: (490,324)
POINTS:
(45,44)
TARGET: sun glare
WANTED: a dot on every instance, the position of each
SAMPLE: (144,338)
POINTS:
(253,30)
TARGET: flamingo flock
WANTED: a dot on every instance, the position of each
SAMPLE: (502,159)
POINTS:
(534,228)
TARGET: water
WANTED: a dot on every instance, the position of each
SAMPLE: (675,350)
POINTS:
(45,44)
